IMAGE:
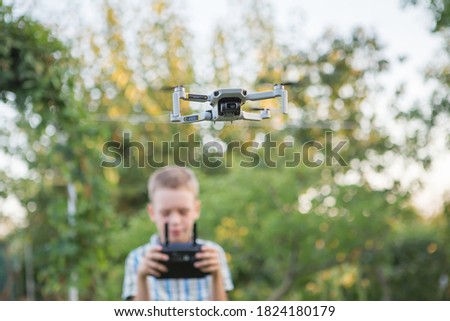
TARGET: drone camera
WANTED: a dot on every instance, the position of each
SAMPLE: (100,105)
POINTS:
(229,107)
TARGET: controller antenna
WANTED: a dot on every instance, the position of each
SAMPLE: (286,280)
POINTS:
(194,236)
(166,234)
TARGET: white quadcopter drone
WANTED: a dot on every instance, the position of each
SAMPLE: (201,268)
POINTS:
(226,104)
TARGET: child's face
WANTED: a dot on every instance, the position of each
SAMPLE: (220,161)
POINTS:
(177,207)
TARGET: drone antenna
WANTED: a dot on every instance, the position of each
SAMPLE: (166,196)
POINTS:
(166,233)
(194,236)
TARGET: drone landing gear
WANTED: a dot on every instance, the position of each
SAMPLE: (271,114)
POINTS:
(264,114)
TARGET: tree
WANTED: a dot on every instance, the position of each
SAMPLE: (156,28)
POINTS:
(39,81)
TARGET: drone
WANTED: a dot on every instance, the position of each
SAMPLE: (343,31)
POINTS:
(226,104)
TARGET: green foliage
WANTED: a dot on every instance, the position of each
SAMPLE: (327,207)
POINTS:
(39,83)
(431,119)
(418,258)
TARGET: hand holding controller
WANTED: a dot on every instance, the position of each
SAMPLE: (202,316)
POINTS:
(181,258)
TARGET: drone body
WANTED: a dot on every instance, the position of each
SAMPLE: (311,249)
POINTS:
(226,104)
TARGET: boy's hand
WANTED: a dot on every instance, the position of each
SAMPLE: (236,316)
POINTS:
(151,262)
(208,260)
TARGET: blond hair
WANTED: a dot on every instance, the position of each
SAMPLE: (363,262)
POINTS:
(172,177)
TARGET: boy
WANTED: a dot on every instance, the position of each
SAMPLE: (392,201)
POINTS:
(173,192)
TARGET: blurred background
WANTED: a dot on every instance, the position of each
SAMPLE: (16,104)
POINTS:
(76,75)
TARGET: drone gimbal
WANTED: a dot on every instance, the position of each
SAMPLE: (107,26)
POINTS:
(226,104)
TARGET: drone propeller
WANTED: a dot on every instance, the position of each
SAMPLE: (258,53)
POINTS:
(289,83)
(285,83)
(170,87)
(133,119)
(164,88)
(257,108)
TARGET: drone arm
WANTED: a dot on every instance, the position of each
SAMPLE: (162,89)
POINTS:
(284,101)
(178,94)
(196,97)
(262,96)
(277,92)
(193,118)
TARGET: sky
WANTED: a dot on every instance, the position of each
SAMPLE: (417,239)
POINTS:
(404,32)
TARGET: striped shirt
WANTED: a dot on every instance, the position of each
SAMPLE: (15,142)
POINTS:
(198,289)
